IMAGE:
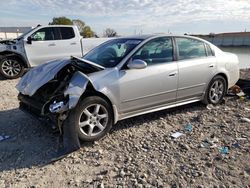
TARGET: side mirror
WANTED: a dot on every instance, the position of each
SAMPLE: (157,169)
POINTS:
(29,40)
(137,64)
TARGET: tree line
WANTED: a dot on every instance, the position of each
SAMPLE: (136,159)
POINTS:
(85,30)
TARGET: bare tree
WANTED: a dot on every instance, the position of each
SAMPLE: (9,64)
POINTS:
(110,33)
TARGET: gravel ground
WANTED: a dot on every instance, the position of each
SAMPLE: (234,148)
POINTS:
(139,152)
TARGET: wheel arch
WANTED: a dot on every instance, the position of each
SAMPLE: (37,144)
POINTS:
(90,91)
(16,55)
(225,77)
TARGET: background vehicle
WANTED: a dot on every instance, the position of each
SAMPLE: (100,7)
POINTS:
(42,44)
(126,77)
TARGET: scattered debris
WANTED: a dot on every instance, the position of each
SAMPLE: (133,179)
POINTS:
(224,150)
(235,89)
(189,127)
(209,143)
(4,137)
(241,94)
(236,145)
(245,120)
(176,135)
(245,86)
(24,159)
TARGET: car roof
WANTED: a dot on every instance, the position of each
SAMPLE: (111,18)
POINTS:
(144,37)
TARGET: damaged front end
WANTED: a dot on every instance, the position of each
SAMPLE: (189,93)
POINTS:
(51,90)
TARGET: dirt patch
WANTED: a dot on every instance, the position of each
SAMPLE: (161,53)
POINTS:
(138,152)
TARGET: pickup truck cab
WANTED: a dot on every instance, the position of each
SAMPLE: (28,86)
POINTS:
(40,45)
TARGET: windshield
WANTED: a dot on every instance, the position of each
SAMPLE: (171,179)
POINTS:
(25,33)
(110,53)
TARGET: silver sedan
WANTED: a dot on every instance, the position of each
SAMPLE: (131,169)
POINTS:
(127,77)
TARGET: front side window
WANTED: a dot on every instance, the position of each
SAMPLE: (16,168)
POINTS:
(158,50)
(43,34)
(110,53)
(190,48)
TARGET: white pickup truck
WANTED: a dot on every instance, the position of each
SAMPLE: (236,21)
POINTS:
(42,44)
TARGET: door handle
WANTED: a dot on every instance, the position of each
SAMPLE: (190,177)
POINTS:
(52,44)
(172,74)
(73,43)
(212,65)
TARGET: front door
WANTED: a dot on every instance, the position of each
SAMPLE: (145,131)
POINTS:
(154,85)
(43,47)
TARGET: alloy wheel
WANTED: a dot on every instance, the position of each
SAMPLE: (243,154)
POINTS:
(216,91)
(93,120)
(11,67)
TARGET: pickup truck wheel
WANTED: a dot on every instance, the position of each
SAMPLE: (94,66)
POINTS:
(11,67)
(92,118)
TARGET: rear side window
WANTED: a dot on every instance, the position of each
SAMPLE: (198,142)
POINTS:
(190,48)
(209,50)
(67,33)
(156,51)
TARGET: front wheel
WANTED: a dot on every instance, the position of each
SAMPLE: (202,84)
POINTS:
(92,118)
(215,91)
(11,67)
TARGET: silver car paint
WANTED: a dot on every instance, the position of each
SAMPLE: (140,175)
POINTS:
(169,83)
(77,85)
(39,76)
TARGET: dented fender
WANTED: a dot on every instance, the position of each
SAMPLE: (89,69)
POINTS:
(76,88)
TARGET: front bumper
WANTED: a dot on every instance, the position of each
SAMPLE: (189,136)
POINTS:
(34,109)
(30,105)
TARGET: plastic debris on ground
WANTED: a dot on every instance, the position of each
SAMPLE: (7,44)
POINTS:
(4,137)
(209,143)
(224,150)
(176,134)
(245,120)
(189,127)
(236,145)
(241,94)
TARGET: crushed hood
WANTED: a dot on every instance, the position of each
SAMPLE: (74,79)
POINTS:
(39,76)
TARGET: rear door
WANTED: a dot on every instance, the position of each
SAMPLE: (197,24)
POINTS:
(196,65)
(153,86)
(69,43)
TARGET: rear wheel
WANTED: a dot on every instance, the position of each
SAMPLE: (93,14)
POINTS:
(11,67)
(215,91)
(92,118)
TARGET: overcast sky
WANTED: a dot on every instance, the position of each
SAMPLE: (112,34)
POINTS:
(130,16)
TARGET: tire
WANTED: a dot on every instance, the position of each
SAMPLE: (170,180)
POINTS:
(11,67)
(216,91)
(92,118)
